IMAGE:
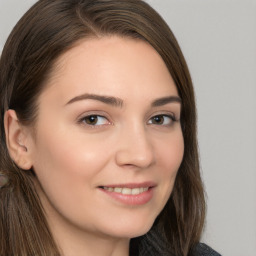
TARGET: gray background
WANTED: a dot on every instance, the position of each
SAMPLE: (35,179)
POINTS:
(218,38)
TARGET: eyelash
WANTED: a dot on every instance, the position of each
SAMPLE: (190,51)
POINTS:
(171,118)
(96,118)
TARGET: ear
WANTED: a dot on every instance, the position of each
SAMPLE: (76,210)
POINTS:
(17,140)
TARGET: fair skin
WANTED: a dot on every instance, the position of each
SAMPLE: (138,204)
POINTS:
(105,162)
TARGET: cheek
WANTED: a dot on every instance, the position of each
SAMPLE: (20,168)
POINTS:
(67,170)
(170,153)
(60,166)
(170,156)
(68,150)
(64,164)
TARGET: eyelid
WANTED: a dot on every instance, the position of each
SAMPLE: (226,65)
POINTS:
(93,113)
(82,117)
(170,115)
(174,114)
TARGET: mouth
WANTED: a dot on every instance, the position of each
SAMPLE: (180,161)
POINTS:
(130,194)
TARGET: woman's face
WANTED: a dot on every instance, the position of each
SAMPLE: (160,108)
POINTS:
(108,141)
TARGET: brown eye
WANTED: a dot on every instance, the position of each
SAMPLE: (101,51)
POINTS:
(162,120)
(94,120)
(158,120)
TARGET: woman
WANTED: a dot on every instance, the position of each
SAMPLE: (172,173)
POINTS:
(98,134)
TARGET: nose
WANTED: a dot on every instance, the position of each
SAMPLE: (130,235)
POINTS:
(134,148)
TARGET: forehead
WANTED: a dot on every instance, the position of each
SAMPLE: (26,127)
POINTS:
(110,65)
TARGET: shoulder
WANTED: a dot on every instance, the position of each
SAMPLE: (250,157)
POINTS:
(204,250)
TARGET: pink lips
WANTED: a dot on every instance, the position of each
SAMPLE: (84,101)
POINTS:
(131,193)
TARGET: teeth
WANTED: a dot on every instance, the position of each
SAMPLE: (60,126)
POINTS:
(127,191)
(118,190)
(136,191)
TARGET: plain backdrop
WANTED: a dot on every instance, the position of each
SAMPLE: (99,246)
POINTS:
(218,39)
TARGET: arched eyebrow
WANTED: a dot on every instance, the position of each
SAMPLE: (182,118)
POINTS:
(165,100)
(114,101)
(117,102)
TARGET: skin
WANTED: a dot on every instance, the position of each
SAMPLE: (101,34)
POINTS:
(127,144)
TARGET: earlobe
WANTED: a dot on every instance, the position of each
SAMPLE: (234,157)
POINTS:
(16,140)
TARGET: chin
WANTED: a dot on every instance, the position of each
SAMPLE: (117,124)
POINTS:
(129,229)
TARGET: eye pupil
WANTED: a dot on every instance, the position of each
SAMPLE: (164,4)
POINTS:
(91,119)
(158,119)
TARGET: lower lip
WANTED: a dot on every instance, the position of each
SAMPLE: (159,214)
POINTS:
(139,199)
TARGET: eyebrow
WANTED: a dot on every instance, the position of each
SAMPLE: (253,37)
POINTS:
(117,102)
(165,100)
(113,101)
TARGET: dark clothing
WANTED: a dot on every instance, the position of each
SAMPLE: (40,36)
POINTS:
(204,250)
(154,244)
(200,250)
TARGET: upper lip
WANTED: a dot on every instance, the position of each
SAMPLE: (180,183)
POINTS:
(147,184)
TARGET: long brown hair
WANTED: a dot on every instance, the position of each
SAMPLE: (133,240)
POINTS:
(46,31)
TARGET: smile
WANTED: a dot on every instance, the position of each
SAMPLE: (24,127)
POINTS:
(130,194)
(127,191)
